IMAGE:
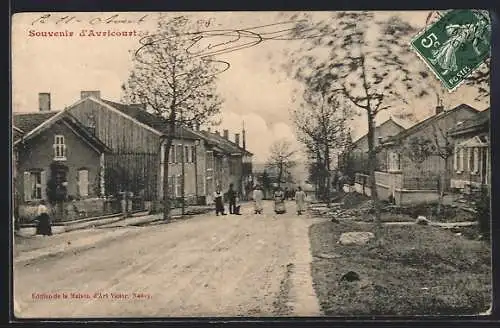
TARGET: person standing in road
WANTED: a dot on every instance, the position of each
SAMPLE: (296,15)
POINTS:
(300,200)
(258,197)
(44,226)
(219,202)
(231,195)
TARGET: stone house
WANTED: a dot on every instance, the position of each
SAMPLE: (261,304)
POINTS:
(407,181)
(471,160)
(54,152)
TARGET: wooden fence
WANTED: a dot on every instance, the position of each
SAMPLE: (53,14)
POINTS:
(132,172)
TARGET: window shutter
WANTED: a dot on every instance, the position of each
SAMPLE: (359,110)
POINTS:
(27,186)
(83,183)
(43,182)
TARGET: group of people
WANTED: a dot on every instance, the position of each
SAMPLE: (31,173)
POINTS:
(232,196)
(258,197)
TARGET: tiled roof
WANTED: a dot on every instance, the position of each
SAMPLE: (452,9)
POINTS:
(482,118)
(378,127)
(138,112)
(428,121)
(225,144)
(29,121)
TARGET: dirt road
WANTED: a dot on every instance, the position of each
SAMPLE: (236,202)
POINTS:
(244,265)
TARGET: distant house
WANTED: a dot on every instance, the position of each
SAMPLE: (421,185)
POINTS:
(227,162)
(407,181)
(359,151)
(53,149)
(471,160)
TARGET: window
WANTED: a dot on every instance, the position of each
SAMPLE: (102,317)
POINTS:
(461,167)
(178,186)
(455,158)
(178,154)
(186,154)
(470,160)
(171,155)
(171,187)
(475,167)
(193,154)
(59,148)
(83,183)
(210,160)
(34,185)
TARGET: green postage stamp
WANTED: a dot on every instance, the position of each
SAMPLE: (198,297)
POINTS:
(455,45)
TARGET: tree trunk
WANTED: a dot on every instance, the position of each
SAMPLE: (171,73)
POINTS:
(442,179)
(166,196)
(372,158)
(327,169)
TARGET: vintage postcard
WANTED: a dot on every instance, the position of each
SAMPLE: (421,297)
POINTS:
(251,164)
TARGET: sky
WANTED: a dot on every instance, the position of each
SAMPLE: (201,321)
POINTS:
(255,90)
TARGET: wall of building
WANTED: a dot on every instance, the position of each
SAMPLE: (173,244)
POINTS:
(38,154)
(118,132)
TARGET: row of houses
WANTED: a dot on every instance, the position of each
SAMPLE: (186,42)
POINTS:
(97,149)
(460,160)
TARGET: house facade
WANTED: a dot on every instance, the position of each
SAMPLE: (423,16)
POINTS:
(138,142)
(358,155)
(407,179)
(471,159)
(55,154)
(227,162)
(135,144)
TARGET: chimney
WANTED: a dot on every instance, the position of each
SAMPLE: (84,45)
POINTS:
(44,101)
(244,139)
(209,129)
(226,134)
(439,109)
(217,132)
(92,93)
(237,139)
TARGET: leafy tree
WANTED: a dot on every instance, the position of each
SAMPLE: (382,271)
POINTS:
(174,82)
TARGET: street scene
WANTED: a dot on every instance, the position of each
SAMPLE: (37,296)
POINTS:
(274,164)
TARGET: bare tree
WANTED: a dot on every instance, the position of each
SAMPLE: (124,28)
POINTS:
(173,82)
(320,124)
(370,71)
(281,158)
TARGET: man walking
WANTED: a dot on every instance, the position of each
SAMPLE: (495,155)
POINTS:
(231,195)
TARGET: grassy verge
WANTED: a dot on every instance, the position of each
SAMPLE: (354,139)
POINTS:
(419,270)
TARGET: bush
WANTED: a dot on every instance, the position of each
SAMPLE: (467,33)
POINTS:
(482,207)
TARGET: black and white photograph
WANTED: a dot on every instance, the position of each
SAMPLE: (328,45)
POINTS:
(251,164)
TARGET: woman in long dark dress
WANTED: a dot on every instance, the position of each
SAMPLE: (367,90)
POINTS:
(44,226)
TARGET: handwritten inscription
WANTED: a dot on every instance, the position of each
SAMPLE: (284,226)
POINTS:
(95,20)
(208,43)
